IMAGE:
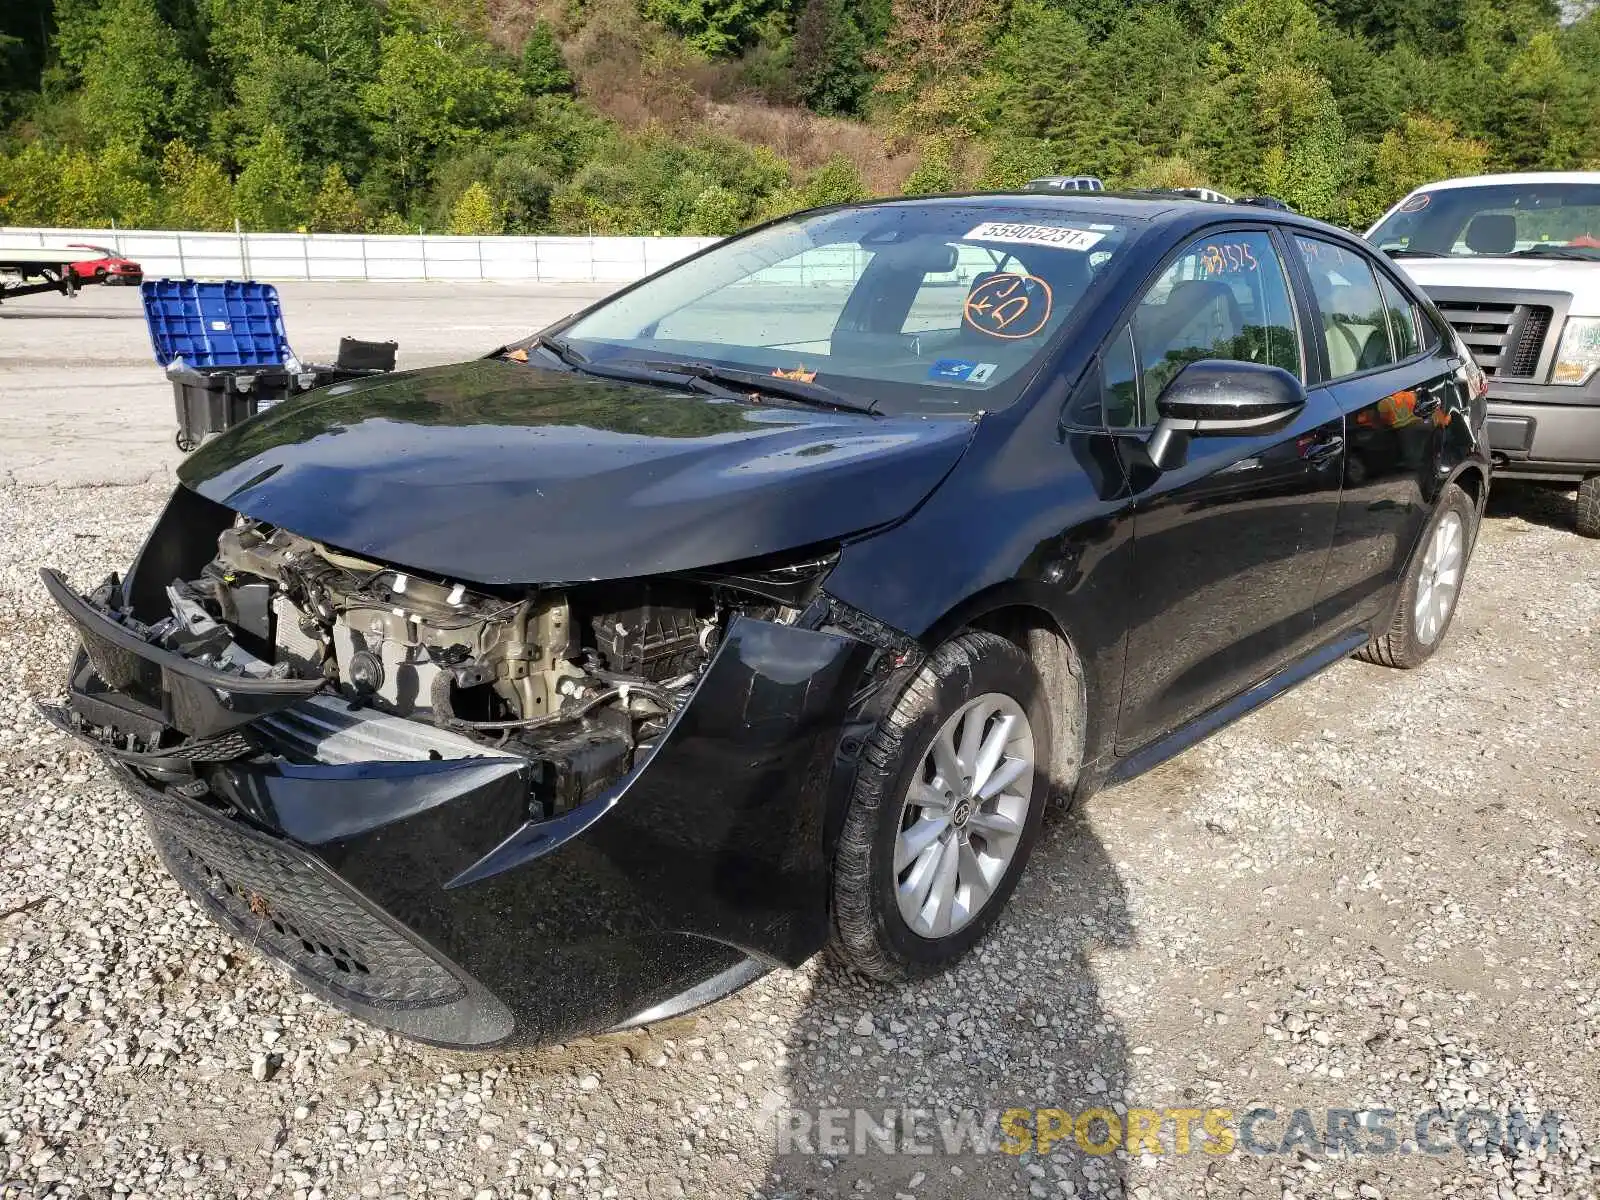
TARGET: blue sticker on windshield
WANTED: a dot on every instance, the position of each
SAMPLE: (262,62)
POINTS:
(954,369)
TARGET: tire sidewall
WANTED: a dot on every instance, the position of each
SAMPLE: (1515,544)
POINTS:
(1452,500)
(1011,675)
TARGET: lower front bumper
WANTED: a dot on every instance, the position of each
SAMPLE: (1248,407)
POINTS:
(287,904)
(423,897)
(1558,442)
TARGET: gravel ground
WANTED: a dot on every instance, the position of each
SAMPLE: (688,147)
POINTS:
(1378,892)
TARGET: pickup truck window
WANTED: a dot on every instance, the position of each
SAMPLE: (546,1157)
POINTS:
(1502,220)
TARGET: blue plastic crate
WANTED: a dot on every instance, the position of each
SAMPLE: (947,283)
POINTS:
(227,324)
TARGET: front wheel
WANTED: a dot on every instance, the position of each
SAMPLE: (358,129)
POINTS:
(947,803)
(1431,586)
(1588,514)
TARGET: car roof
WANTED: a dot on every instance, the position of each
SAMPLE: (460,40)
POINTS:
(1513,178)
(1152,207)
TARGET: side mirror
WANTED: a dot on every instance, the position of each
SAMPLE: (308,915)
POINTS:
(1218,398)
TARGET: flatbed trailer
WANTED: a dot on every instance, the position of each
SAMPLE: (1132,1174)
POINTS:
(52,268)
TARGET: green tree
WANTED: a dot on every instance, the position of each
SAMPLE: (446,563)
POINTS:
(433,91)
(717,212)
(318,112)
(195,191)
(336,208)
(1421,150)
(1173,172)
(1015,160)
(654,184)
(1371,89)
(827,58)
(935,172)
(137,88)
(1036,85)
(1305,161)
(1266,120)
(1435,23)
(929,65)
(544,70)
(1539,121)
(474,213)
(75,188)
(835,182)
(1104,104)
(30,186)
(713,27)
(271,190)
(392,223)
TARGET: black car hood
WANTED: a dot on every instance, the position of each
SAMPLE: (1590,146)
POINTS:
(496,472)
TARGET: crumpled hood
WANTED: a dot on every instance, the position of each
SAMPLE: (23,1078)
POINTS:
(496,472)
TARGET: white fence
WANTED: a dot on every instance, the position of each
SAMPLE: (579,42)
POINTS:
(330,256)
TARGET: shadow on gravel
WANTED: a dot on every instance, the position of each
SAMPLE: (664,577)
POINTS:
(1017,1025)
(1537,504)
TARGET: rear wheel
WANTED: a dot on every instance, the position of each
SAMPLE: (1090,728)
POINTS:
(1431,587)
(947,804)
(1589,507)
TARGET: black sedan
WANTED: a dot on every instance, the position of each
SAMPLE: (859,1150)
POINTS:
(765,605)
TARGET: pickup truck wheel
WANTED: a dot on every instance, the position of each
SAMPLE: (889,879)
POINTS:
(1431,586)
(949,794)
(1589,507)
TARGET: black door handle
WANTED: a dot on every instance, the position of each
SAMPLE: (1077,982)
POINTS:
(1321,451)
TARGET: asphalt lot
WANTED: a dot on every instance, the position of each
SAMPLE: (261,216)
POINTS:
(82,400)
(1376,895)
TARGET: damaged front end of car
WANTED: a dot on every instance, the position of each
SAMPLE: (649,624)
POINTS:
(478,814)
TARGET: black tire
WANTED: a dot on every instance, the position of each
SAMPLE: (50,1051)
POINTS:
(1401,646)
(1588,510)
(869,932)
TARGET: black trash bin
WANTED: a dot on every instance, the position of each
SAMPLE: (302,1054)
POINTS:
(226,352)
(211,400)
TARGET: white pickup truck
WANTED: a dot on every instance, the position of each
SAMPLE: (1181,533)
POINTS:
(1513,263)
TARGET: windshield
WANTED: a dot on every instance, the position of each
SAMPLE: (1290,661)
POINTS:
(1495,221)
(912,307)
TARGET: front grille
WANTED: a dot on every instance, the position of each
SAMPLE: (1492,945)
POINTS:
(1534,328)
(1506,339)
(291,910)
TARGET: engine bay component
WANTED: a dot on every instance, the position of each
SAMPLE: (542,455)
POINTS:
(656,640)
(387,637)
(282,648)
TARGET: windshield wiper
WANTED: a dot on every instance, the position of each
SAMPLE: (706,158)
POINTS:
(1573,253)
(560,349)
(773,385)
(1402,252)
(633,372)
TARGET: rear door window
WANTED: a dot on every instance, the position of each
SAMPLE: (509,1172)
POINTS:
(1355,329)
(1402,318)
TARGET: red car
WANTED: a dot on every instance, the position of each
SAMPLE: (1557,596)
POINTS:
(107,266)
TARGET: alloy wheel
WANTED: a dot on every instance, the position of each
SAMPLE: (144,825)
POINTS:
(1440,578)
(964,815)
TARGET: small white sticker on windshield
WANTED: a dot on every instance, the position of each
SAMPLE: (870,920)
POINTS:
(1062,237)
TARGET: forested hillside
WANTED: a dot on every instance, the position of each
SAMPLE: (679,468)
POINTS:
(700,116)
